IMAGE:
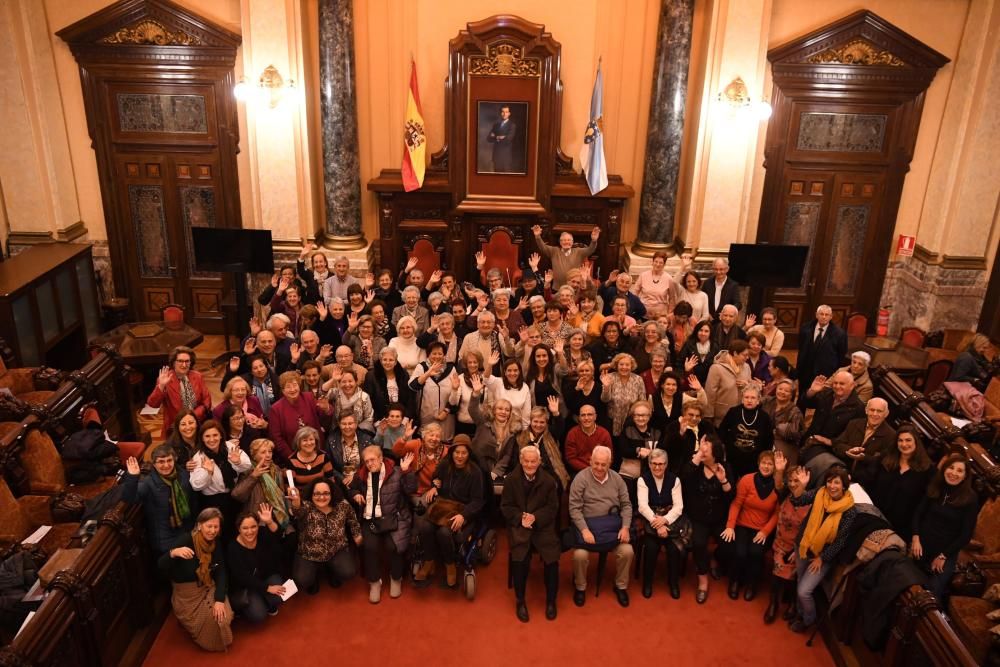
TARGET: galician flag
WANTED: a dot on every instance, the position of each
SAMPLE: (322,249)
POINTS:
(592,152)
(414,140)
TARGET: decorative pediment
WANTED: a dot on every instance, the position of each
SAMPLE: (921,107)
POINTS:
(502,59)
(148,30)
(862,39)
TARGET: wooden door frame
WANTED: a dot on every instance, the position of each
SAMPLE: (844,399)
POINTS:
(860,61)
(154,42)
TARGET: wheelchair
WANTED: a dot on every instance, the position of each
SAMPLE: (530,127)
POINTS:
(480,547)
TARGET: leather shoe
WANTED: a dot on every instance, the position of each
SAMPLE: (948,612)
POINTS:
(700,596)
(750,593)
(734,590)
(579,597)
(647,590)
(550,611)
(622,596)
(771,613)
(799,626)
(522,612)
(715,573)
(675,591)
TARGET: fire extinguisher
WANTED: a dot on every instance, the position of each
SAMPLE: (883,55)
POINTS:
(883,322)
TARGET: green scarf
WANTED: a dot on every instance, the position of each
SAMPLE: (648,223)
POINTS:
(275,497)
(179,507)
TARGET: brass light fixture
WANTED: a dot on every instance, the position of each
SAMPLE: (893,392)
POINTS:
(736,98)
(271,87)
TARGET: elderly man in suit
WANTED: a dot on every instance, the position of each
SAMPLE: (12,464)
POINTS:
(822,348)
(721,289)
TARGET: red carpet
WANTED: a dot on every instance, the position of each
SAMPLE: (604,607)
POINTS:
(440,627)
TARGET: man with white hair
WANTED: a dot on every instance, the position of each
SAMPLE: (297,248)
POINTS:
(619,284)
(565,257)
(721,289)
(866,437)
(726,330)
(601,513)
(530,506)
(858,368)
(822,348)
(335,286)
(487,340)
(835,405)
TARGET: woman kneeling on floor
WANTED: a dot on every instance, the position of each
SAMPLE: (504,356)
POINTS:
(198,574)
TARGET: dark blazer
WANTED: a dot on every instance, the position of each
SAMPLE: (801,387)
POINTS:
(830,421)
(722,339)
(540,498)
(821,357)
(636,308)
(730,295)
(881,442)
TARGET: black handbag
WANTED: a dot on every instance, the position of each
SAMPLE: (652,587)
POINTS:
(681,531)
(969,580)
(383,524)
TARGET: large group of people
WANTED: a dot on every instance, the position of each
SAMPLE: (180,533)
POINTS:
(389,418)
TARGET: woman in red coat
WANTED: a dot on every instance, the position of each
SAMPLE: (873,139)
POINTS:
(180,387)
(294,410)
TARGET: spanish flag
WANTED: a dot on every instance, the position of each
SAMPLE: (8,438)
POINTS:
(414,140)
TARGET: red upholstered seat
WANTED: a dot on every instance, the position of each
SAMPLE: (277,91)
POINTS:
(173,313)
(428,259)
(857,324)
(912,337)
(501,253)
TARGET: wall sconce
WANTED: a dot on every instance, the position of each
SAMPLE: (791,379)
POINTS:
(736,99)
(271,88)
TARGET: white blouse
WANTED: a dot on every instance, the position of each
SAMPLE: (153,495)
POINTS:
(212,484)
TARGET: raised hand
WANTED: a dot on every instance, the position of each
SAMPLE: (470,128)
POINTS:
(411,264)
(607,379)
(436,368)
(352,322)
(586,267)
(780,461)
(264,513)
(494,358)
(234,455)
(163,379)
(480,259)
(553,404)
(435,277)
(536,230)
(690,363)
(560,345)
(522,333)
(750,321)
(255,326)
(477,384)
(307,248)
(803,476)
(283,285)
(321,309)
(720,473)
(818,384)
(132,466)
(456,381)
(435,320)
(406,461)
(409,429)
(324,353)
(369,295)
(482,299)
(208,464)
(522,303)
(573,309)
(250,346)
(533,261)
(234,364)
(686,261)
(276,277)
(595,233)
(295,351)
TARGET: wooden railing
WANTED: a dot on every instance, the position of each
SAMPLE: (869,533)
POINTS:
(920,632)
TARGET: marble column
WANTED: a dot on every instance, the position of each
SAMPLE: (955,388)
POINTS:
(338,108)
(657,207)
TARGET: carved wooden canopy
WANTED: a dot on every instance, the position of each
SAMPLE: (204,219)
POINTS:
(150,30)
(860,49)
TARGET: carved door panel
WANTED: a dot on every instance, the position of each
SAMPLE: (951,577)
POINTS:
(832,213)
(162,196)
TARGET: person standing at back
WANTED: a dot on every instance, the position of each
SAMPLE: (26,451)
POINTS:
(721,289)
(822,348)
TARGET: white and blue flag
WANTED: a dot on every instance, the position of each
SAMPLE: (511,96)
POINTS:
(592,152)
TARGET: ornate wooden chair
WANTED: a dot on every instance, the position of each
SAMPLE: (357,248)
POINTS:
(173,313)
(501,253)
(428,258)
(857,324)
(912,337)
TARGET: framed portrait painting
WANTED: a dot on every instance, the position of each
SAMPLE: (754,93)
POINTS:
(502,137)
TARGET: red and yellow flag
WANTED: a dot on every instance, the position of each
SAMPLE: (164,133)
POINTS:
(414,140)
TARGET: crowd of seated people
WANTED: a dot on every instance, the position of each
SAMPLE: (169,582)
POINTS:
(368,417)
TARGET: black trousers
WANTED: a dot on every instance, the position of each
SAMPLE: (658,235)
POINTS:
(373,546)
(341,567)
(744,559)
(700,536)
(440,541)
(651,550)
(519,573)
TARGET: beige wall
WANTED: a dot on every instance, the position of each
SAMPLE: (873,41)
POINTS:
(722,174)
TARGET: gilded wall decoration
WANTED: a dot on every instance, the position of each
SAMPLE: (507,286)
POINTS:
(150,32)
(504,60)
(857,52)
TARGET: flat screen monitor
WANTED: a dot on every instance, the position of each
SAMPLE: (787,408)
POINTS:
(225,249)
(767,265)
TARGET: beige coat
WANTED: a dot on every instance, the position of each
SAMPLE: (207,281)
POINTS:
(721,387)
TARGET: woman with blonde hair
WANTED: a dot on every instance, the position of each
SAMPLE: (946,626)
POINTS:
(264,483)
(621,387)
(408,353)
(237,392)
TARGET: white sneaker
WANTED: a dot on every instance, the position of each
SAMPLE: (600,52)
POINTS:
(395,588)
(375,591)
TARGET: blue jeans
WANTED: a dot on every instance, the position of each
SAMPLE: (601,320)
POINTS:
(807,584)
(254,606)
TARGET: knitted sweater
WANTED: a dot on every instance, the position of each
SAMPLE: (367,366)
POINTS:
(749,511)
(590,498)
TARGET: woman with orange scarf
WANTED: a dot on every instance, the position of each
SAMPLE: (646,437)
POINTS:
(823,535)
(199,580)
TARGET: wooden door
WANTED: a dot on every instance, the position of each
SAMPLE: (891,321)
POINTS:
(164,195)
(832,212)
(847,100)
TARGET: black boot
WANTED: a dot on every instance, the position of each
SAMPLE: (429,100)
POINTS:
(772,606)
(734,589)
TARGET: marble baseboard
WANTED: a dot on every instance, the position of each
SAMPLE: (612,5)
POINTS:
(931,297)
